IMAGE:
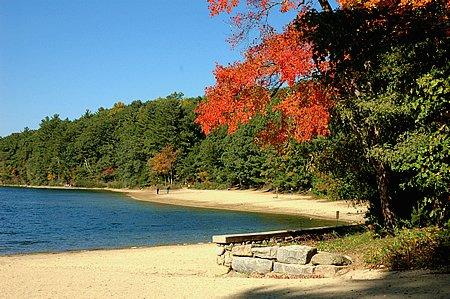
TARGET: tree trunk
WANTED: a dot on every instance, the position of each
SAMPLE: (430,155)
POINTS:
(325,5)
(387,211)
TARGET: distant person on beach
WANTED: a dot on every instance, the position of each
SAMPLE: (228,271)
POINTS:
(157,190)
(168,189)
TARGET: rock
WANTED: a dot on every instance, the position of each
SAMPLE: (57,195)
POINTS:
(221,270)
(265,252)
(327,270)
(350,260)
(295,254)
(242,250)
(326,258)
(220,250)
(228,247)
(228,258)
(293,269)
(220,260)
(250,265)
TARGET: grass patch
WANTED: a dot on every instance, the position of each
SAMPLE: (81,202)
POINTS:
(419,248)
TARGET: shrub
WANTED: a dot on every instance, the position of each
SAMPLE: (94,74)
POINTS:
(426,248)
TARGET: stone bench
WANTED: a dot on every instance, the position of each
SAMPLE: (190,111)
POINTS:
(287,235)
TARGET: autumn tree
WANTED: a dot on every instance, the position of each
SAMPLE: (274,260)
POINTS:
(338,64)
(246,88)
(289,58)
(163,163)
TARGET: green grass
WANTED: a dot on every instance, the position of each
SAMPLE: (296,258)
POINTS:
(419,248)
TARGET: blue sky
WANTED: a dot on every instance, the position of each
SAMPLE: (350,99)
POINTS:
(66,56)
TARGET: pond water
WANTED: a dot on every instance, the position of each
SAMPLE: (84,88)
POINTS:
(52,220)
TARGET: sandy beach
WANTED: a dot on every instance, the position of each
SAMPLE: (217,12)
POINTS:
(189,271)
(254,201)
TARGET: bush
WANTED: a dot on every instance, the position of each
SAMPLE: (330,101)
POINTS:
(117,185)
(426,248)
(85,183)
(209,186)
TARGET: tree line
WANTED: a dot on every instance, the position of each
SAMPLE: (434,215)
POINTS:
(149,143)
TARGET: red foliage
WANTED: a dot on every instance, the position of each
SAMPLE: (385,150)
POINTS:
(306,111)
(108,171)
(164,161)
(393,4)
(245,88)
(218,6)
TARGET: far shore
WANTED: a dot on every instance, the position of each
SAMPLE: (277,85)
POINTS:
(242,200)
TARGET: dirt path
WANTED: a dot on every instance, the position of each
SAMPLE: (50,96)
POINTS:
(188,272)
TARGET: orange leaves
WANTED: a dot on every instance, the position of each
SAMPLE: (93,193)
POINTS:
(291,56)
(164,161)
(283,60)
(288,5)
(234,99)
(393,4)
(305,114)
(218,6)
(306,111)
(243,88)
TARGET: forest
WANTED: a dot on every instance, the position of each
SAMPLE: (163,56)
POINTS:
(150,143)
(352,103)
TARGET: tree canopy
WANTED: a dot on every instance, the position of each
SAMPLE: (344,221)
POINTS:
(357,75)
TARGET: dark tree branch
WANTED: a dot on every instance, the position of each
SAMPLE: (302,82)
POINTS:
(325,5)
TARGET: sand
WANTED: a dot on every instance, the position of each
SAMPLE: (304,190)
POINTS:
(189,272)
(255,201)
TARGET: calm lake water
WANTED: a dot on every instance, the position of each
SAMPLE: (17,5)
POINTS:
(50,220)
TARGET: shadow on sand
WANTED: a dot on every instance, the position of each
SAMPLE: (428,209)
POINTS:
(411,284)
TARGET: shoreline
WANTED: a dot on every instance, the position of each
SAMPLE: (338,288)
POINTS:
(240,200)
(100,249)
